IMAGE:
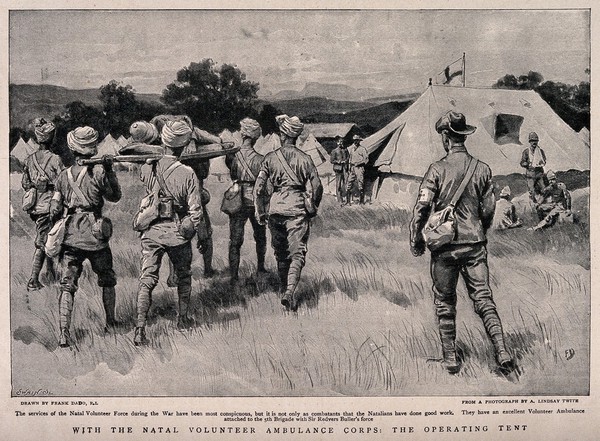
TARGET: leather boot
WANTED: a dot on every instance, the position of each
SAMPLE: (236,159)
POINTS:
(348,198)
(493,327)
(289,299)
(362,198)
(183,318)
(144,300)
(139,338)
(37,264)
(109,300)
(447,328)
(282,270)
(65,309)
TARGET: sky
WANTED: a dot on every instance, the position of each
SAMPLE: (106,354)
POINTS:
(389,50)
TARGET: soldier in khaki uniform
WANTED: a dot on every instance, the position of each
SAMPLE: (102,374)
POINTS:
(533,160)
(173,230)
(40,172)
(296,183)
(556,202)
(201,168)
(339,157)
(244,167)
(505,215)
(82,190)
(359,157)
(466,255)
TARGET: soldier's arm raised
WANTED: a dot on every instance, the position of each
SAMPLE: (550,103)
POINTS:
(112,189)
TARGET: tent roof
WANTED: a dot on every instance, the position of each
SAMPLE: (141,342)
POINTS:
(267,144)
(410,143)
(22,150)
(108,146)
(314,149)
(122,141)
(329,130)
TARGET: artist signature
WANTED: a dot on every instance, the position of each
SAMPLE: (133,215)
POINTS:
(33,393)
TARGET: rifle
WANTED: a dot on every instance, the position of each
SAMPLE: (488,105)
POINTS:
(138,159)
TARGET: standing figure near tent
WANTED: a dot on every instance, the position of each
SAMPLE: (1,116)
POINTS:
(505,215)
(202,170)
(297,193)
(466,253)
(82,190)
(339,159)
(533,160)
(40,171)
(244,167)
(359,157)
(170,230)
(556,203)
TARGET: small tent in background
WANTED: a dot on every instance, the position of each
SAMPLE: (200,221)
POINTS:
(327,133)
(584,135)
(402,151)
(22,150)
(314,149)
(108,146)
(122,141)
(267,144)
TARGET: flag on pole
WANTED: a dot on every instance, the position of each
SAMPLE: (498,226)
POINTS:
(452,71)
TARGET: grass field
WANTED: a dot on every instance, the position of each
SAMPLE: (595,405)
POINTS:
(366,325)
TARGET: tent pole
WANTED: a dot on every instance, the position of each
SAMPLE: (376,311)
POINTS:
(464,67)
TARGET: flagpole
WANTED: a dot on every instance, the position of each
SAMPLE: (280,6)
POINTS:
(464,66)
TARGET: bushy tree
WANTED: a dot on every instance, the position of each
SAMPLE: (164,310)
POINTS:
(570,102)
(266,119)
(119,106)
(215,97)
(523,82)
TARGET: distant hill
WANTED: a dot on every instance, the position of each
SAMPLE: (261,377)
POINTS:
(314,105)
(28,101)
(369,119)
(330,91)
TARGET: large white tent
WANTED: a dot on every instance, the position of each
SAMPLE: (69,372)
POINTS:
(403,150)
(22,150)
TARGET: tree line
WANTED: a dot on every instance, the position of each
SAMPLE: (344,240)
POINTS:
(214,97)
(570,102)
(217,97)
